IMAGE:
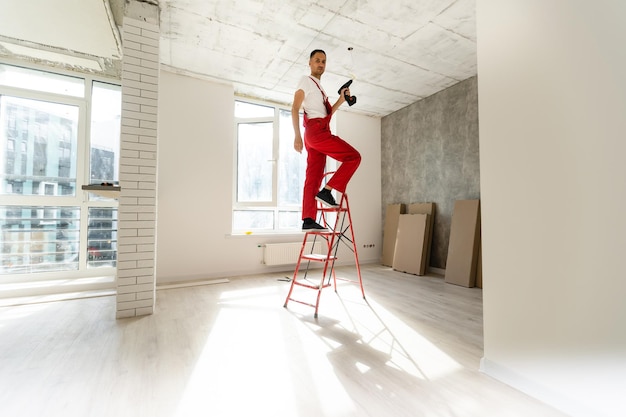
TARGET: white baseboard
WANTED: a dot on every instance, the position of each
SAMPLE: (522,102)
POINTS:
(191,284)
(569,405)
(49,298)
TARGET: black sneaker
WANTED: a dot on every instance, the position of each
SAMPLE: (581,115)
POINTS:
(311,225)
(326,197)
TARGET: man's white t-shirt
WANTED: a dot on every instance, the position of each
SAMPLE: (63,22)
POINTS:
(313,103)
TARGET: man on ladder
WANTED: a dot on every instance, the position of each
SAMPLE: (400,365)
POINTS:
(320,142)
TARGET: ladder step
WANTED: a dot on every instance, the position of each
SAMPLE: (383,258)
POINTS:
(330,209)
(311,286)
(318,257)
(323,232)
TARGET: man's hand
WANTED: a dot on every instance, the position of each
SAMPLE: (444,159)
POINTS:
(297,144)
(344,92)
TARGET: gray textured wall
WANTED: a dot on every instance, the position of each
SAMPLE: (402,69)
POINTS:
(430,154)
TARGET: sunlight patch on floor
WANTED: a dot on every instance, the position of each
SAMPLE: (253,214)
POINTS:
(409,349)
(244,368)
(249,367)
(374,326)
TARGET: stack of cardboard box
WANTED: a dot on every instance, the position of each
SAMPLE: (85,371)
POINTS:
(408,235)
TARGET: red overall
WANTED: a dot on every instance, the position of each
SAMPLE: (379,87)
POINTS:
(319,143)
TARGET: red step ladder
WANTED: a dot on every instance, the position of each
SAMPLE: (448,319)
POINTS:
(338,222)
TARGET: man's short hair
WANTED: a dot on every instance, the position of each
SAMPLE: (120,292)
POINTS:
(316,51)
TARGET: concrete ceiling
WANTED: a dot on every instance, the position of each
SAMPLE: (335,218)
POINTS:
(401,50)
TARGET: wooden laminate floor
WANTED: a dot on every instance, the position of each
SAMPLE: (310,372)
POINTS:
(231,349)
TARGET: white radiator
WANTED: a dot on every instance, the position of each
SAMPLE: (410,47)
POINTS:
(287,253)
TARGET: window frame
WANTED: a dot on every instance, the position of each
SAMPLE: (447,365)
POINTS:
(274,160)
(81,199)
(269,206)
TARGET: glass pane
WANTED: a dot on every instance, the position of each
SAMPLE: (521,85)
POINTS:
(41,81)
(38,239)
(248,220)
(291,164)
(106,110)
(249,110)
(38,140)
(102,237)
(289,219)
(254,162)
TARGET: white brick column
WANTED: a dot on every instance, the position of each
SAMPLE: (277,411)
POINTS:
(136,280)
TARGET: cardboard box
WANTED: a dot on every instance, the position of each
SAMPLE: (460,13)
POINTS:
(464,243)
(425,208)
(411,244)
(390,229)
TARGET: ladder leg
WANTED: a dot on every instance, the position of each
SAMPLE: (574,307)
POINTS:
(317,302)
(356,255)
(295,272)
(325,271)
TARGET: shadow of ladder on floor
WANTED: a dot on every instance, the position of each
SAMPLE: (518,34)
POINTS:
(338,222)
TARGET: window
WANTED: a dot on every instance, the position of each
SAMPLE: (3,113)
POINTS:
(102,237)
(106,110)
(269,173)
(51,145)
(51,131)
(39,239)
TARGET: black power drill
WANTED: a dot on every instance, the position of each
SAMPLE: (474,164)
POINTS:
(350,99)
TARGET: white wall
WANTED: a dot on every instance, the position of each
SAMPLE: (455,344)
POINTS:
(196,133)
(552,109)
(364,190)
